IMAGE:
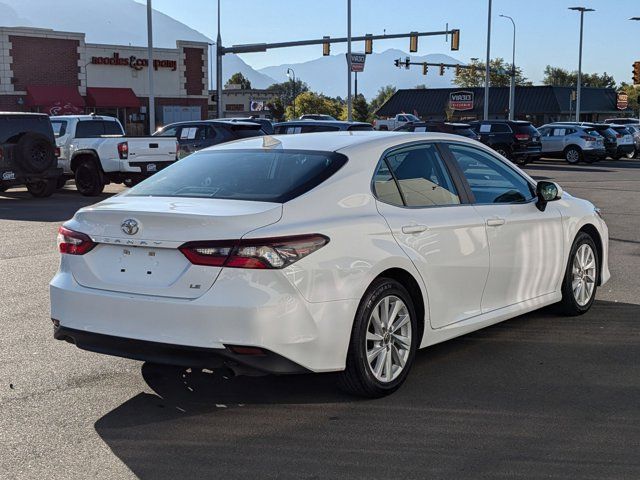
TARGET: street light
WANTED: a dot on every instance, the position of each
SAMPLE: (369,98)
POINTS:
(291,74)
(581,10)
(487,66)
(512,90)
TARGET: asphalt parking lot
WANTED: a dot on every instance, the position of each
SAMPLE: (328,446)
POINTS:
(539,396)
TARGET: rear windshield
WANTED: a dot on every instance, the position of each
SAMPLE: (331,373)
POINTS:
(360,128)
(525,128)
(622,130)
(97,128)
(258,175)
(248,132)
(465,132)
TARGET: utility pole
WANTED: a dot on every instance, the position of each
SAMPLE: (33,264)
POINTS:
(579,86)
(219,69)
(152,102)
(512,89)
(349,60)
(487,69)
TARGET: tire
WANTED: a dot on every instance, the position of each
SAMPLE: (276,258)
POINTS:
(573,304)
(630,155)
(42,188)
(35,153)
(360,377)
(503,150)
(61,182)
(89,179)
(572,155)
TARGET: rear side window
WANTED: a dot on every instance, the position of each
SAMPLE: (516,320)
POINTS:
(258,175)
(59,127)
(422,177)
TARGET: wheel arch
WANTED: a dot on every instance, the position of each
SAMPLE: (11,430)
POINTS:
(82,155)
(408,281)
(593,232)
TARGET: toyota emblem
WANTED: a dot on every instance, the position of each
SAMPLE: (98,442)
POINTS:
(130,226)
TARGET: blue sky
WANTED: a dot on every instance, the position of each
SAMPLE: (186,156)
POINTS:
(547,32)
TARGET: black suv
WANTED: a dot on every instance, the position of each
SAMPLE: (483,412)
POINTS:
(517,140)
(198,134)
(313,126)
(28,153)
(462,129)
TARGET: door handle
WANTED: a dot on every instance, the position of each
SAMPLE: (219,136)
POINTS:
(413,229)
(495,222)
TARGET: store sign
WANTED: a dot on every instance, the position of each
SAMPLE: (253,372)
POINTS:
(257,106)
(357,62)
(461,101)
(133,62)
(63,108)
(622,101)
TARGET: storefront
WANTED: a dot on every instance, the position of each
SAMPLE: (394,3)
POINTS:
(58,73)
(538,104)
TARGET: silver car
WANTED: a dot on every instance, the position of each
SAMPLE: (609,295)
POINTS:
(574,143)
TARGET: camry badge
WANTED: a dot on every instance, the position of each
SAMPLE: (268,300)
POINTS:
(130,226)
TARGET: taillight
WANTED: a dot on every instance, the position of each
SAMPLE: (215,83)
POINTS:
(523,136)
(266,253)
(618,135)
(73,243)
(57,152)
(588,138)
(123,150)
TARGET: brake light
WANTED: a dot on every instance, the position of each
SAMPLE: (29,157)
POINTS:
(588,138)
(523,136)
(74,243)
(618,135)
(266,253)
(57,152)
(123,150)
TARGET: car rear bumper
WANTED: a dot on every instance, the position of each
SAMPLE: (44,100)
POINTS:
(11,176)
(530,151)
(594,154)
(628,148)
(255,308)
(260,360)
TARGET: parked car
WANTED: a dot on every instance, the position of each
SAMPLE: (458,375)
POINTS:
(517,140)
(316,116)
(623,121)
(635,131)
(320,253)
(463,129)
(609,135)
(28,153)
(265,123)
(574,143)
(198,134)
(314,126)
(395,122)
(94,151)
(626,142)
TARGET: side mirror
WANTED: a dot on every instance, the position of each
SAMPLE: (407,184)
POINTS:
(547,192)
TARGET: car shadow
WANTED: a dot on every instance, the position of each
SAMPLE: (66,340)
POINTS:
(537,396)
(63,204)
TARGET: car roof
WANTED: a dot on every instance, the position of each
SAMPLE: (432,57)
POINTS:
(219,122)
(84,117)
(519,122)
(318,122)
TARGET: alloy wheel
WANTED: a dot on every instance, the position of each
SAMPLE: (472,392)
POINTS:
(573,156)
(388,341)
(583,274)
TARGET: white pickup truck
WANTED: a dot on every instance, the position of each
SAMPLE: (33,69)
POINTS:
(95,152)
(395,122)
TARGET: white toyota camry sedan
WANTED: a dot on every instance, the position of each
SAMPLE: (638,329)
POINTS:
(343,252)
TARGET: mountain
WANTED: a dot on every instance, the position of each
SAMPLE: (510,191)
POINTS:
(120,22)
(329,74)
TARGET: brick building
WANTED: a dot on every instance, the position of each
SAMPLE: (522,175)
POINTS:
(58,72)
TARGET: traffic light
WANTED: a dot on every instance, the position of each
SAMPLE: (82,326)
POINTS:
(441,69)
(407,63)
(326,47)
(457,71)
(413,42)
(425,68)
(636,73)
(455,39)
(368,44)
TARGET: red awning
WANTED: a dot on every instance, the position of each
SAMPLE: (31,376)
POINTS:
(112,97)
(55,100)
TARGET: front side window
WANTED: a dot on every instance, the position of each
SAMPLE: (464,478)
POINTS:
(258,175)
(422,177)
(490,179)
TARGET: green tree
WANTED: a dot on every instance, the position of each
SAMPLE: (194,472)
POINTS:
(288,90)
(384,93)
(421,86)
(311,102)
(276,108)
(360,109)
(238,79)
(561,77)
(499,75)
